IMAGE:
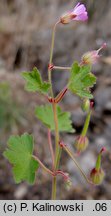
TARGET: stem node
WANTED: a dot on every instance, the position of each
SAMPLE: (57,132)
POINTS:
(50,66)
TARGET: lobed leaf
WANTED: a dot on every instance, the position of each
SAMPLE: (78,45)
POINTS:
(19,153)
(81,80)
(34,82)
(45,114)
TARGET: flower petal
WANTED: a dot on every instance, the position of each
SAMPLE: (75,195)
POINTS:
(77,5)
(80,9)
(82,17)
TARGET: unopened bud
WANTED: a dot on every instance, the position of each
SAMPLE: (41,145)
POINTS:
(68,184)
(97,176)
(92,57)
(92,104)
(81,143)
(85,105)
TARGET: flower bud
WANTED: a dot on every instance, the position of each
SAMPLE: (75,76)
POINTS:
(92,57)
(92,104)
(97,176)
(68,184)
(85,105)
(81,143)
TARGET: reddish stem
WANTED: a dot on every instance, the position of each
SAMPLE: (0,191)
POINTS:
(61,95)
(64,175)
(43,166)
(63,145)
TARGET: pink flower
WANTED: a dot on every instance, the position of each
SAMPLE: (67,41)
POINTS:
(78,13)
(92,56)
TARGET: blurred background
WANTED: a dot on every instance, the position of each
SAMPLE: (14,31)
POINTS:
(25,36)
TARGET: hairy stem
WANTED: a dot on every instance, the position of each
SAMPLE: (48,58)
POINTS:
(86,124)
(54,188)
(56,130)
(58,158)
(51,56)
(43,166)
(51,148)
(64,175)
(61,68)
(76,163)
(54,111)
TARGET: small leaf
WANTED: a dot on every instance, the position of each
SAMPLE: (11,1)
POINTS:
(19,154)
(45,114)
(34,82)
(81,80)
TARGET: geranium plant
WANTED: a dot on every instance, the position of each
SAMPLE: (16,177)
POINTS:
(81,80)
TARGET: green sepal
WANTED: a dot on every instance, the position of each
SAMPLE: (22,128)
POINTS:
(98,162)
